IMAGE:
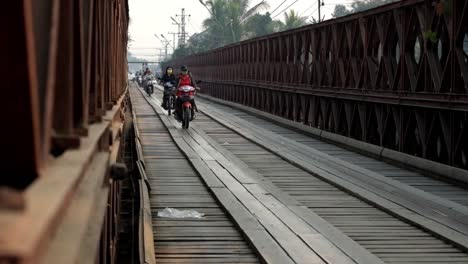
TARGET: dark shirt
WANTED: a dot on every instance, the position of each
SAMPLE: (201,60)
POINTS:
(168,78)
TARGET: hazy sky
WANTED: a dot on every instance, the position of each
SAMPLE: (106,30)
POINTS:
(149,17)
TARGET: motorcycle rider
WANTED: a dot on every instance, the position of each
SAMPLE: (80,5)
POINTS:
(184,78)
(147,71)
(146,76)
(168,76)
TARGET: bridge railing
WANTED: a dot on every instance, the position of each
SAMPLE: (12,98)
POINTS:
(394,76)
(64,74)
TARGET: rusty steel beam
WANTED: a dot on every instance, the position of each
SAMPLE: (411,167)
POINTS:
(394,76)
(19,70)
(65,78)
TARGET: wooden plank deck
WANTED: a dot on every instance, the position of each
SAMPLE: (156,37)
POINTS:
(278,203)
(384,235)
(419,180)
(175,184)
(439,209)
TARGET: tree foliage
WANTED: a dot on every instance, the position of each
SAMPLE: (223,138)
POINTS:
(227,19)
(258,25)
(293,20)
(235,20)
(358,6)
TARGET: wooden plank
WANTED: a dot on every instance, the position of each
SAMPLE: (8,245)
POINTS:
(359,234)
(145,231)
(77,220)
(209,178)
(359,254)
(337,178)
(175,184)
(319,243)
(280,163)
(298,252)
(362,147)
(267,247)
(292,243)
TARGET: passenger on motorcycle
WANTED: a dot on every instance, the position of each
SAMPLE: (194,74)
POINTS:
(184,78)
(169,76)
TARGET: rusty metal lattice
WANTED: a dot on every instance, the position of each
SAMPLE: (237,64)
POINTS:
(395,76)
(64,76)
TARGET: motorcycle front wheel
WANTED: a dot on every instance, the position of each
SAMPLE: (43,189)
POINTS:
(169,105)
(186,117)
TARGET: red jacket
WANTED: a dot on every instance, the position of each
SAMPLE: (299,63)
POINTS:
(184,80)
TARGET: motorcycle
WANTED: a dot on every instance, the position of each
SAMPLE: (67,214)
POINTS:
(149,86)
(169,97)
(186,95)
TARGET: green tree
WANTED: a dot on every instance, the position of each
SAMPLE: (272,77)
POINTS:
(181,51)
(227,18)
(260,25)
(340,10)
(293,20)
(358,6)
(199,42)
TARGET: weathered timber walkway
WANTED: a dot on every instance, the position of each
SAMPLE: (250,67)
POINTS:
(175,184)
(278,195)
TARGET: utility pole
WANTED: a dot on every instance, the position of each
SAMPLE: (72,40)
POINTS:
(182,33)
(161,55)
(178,30)
(173,40)
(182,26)
(320,4)
(166,42)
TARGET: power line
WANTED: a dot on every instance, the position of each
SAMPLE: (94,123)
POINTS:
(174,34)
(313,11)
(285,9)
(338,4)
(144,48)
(305,11)
(278,7)
(194,28)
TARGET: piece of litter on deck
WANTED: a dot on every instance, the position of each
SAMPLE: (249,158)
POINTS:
(174,213)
